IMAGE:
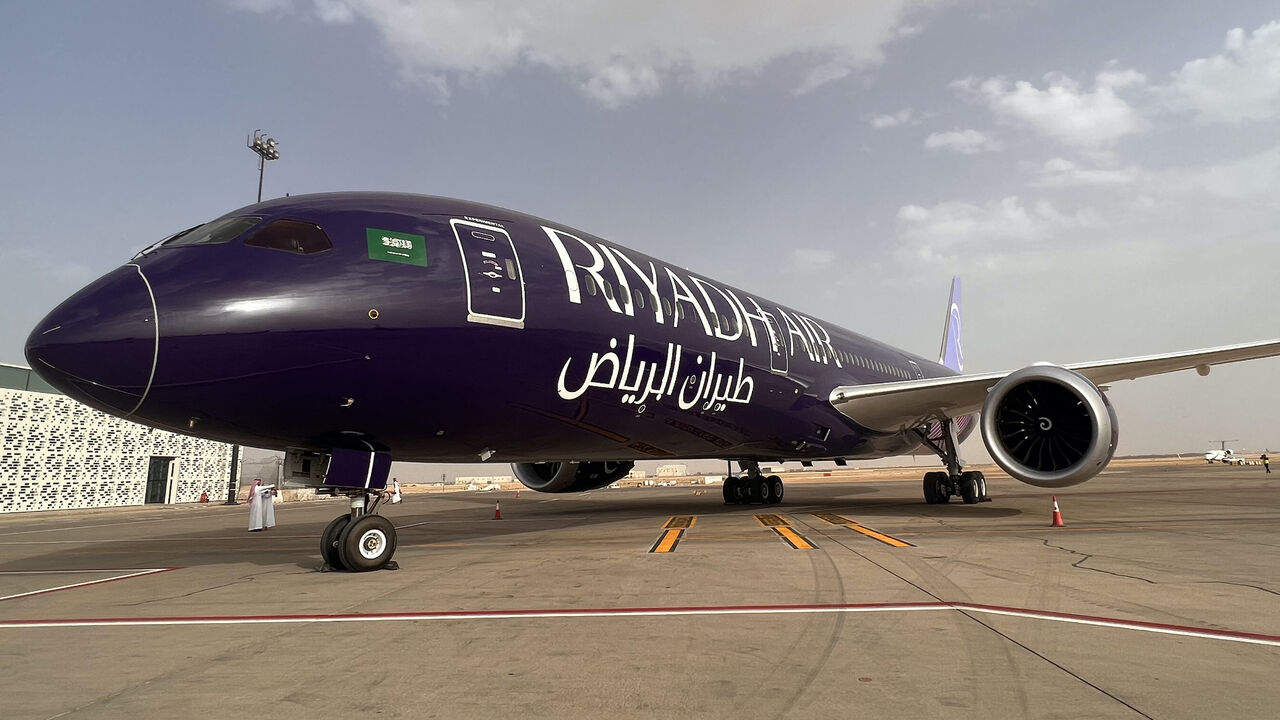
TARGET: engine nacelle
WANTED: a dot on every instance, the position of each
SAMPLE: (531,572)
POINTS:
(1049,427)
(566,476)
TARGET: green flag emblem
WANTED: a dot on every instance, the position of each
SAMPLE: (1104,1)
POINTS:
(392,246)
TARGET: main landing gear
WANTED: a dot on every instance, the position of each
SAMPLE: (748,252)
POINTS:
(970,486)
(359,541)
(753,487)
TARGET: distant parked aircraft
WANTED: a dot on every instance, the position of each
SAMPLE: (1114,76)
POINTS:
(1227,457)
(349,329)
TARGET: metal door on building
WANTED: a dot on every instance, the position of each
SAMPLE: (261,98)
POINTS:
(495,288)
(158,479)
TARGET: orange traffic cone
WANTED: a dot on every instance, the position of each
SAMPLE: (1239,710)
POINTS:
(204,497)
(1057,515)
(497,510)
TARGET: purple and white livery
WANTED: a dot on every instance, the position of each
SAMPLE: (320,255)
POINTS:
(348,329)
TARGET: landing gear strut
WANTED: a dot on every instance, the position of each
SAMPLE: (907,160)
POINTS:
(359,541)
(753,487)
(970,486)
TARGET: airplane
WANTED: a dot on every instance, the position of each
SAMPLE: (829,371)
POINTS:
(1224,455)
(350,329)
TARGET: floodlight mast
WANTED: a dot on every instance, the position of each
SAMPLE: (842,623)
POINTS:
(266,148)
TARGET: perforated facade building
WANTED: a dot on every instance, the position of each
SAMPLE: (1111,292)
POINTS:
(57,454)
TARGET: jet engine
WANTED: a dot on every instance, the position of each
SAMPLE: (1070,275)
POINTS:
(567,476)
(1049,426)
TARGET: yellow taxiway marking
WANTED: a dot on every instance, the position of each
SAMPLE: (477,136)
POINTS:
(772,520)
(834,519)
(681,521)
(667,543)
(854,526)
(782,527)
(792,538)
(879,536)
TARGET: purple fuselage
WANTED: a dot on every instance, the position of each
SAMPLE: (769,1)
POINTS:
(444,330)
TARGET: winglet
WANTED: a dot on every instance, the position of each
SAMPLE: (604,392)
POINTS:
(952,354)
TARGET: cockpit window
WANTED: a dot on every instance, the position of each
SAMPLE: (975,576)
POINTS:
(213,233)
(293,236)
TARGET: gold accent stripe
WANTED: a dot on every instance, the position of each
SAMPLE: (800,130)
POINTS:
(793,538)
(772,520)
(667,543)
(879,536)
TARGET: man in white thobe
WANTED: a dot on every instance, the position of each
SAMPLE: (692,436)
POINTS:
(262,511)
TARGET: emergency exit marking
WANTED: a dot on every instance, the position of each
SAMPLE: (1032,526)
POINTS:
(398,247)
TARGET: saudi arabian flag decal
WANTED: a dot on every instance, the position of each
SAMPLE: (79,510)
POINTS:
(399,247)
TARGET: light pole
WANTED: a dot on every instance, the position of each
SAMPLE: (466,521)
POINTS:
(265,147)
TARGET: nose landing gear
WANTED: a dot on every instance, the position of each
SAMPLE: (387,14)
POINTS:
(359,541)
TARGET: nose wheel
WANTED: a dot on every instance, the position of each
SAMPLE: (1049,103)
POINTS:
(359,541)
(367,543)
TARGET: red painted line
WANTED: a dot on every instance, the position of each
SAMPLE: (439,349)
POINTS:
(133,573)
(1209,633)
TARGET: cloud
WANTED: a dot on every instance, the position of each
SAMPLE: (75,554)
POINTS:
(806,260)
(619,53)
(905,116)
(264,7)
(615,85)
(1060,172)
(965,142)
(1250,179)
(1063,110)
(951,230)
(334,11)
(1240,84)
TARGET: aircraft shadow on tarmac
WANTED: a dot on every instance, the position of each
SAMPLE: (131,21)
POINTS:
(445,521)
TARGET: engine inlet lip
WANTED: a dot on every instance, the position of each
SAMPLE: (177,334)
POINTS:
(1091,461)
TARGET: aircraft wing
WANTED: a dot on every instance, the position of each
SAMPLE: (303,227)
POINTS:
(897,406)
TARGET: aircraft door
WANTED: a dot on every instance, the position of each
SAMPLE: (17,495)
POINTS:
(495,286)
(778,358)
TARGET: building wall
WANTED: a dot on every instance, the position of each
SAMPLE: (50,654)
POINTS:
(57,454)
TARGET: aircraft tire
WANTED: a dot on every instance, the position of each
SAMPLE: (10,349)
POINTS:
(741,492)
(776,489)
(971,485)
(329,541)
(760,491)
(367,543)
(730,490)
(933,492)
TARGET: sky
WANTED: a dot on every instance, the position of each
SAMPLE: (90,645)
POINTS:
(1104,176)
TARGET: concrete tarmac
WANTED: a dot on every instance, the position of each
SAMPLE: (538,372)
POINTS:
(1160,598)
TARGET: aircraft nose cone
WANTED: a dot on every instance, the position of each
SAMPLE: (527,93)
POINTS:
(99,346)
